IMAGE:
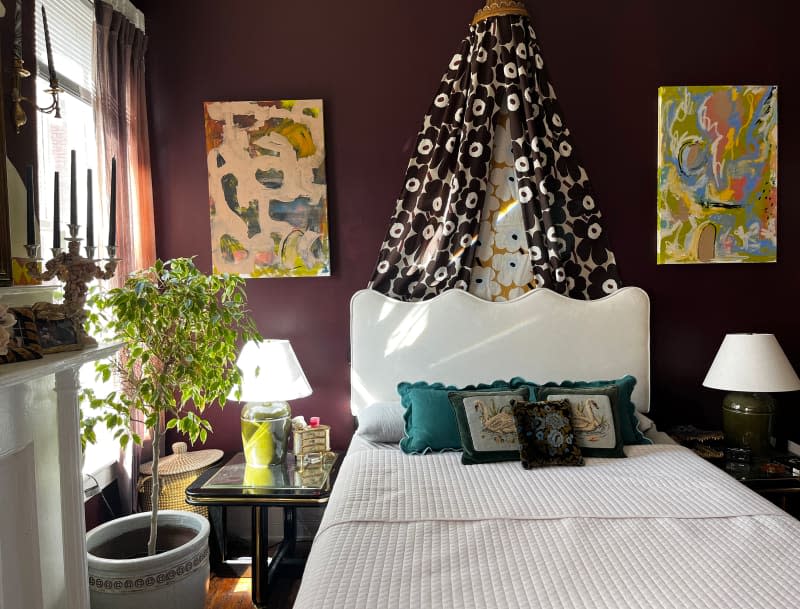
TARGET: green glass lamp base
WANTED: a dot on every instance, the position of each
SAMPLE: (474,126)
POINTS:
(265,433)
(747,420)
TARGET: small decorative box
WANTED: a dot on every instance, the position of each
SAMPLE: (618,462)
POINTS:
(311,443)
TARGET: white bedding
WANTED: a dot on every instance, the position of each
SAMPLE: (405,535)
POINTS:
(662,528)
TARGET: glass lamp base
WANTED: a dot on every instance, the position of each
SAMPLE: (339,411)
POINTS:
(747,420)
(265,432)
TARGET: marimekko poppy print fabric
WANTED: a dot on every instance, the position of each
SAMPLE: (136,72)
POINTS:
(494,200)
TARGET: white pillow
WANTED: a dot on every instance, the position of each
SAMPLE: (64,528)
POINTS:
(645,423)
(382,422)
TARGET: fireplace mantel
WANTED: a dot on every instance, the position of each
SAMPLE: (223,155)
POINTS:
(42,531)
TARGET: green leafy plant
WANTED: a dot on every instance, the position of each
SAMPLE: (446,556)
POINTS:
(180,330)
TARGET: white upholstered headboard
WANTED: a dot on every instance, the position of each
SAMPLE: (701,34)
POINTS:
(459,339)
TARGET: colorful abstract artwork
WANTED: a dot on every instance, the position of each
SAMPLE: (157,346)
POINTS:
(718,174)
(267,188)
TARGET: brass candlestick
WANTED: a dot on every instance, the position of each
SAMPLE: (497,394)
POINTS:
(76,272)
(19,72)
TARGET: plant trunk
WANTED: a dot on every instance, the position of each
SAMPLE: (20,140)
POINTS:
(154,496)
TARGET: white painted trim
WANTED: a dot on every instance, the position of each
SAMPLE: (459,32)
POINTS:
(99,480)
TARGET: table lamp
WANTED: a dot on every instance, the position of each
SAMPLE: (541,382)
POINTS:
(750,366)
(271,375)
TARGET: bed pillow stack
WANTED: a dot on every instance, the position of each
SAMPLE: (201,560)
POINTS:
(479,419)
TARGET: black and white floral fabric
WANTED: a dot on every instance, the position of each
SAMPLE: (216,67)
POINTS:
(494,200)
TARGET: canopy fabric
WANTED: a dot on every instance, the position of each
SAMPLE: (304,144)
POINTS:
(494,200)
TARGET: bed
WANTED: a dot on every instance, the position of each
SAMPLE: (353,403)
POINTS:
(659,528)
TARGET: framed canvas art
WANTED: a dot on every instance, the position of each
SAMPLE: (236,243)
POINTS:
(267,188)
(717,174)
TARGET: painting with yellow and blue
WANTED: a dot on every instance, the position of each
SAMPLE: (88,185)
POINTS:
(717,174)
(267,188)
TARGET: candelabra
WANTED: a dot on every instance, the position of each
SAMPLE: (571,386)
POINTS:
(76,272)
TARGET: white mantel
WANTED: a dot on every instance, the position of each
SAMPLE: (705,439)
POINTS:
(42,528)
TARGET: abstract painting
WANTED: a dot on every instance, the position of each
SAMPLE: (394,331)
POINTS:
(718,174)
(267,188)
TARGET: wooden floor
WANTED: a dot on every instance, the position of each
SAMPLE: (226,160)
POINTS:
(234,593)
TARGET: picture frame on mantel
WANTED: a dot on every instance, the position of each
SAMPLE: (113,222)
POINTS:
(24,344)
(57,330)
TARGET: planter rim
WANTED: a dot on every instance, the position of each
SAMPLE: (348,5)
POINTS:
(202,531)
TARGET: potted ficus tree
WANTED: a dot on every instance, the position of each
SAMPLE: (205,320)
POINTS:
(180,330)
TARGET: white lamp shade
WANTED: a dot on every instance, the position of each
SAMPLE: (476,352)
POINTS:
(751,363)
(270,373)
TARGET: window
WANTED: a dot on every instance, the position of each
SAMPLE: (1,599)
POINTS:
(71,26)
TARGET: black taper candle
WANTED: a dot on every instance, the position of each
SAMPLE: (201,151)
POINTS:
(56,212)
(112,224)
(73,191)
(31,212)
(89,215)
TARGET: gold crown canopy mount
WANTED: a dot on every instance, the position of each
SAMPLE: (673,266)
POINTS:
(498,8)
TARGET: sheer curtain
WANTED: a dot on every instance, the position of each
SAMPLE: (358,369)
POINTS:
(122,133)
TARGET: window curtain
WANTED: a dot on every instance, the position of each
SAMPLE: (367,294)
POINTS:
(122,134)
(495,200)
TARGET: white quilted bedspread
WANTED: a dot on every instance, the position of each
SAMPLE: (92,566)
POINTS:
(660,529)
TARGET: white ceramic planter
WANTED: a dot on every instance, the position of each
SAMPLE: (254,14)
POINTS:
(177,578)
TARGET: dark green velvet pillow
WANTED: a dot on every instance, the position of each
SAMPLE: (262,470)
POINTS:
(429,419)
(595,417)
(486,424)
(545,434)
(629,424)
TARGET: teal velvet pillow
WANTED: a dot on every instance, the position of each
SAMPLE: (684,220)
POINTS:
(629,424)
(486,424)
(429,419)
(545,434)
(595,417)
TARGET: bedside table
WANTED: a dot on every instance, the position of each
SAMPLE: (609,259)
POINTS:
(285,486)
(776,478)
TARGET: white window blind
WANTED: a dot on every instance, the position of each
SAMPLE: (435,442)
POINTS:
(71,25)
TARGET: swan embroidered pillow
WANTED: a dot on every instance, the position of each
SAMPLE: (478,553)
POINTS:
(486,424)
(595,417)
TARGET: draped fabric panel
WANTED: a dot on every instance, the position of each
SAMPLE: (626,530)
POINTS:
(495,90)
(122,133)
(121,117)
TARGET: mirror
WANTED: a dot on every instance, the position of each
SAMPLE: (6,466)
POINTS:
(5,228)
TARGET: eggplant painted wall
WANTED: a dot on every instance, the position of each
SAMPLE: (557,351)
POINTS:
(377,65)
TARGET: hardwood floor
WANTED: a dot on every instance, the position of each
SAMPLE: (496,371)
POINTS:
(234,593)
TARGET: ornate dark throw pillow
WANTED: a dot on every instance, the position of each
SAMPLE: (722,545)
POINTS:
(595,418)
(545,434)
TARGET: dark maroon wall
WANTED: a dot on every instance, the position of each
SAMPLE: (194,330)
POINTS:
(377,65)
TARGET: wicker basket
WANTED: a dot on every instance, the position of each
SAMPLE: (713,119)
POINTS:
(176,472)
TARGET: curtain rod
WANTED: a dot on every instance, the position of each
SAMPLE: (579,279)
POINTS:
(498,8)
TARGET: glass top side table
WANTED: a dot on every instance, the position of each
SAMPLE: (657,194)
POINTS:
(288,486)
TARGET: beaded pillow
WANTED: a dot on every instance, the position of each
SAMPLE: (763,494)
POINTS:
(545,434)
